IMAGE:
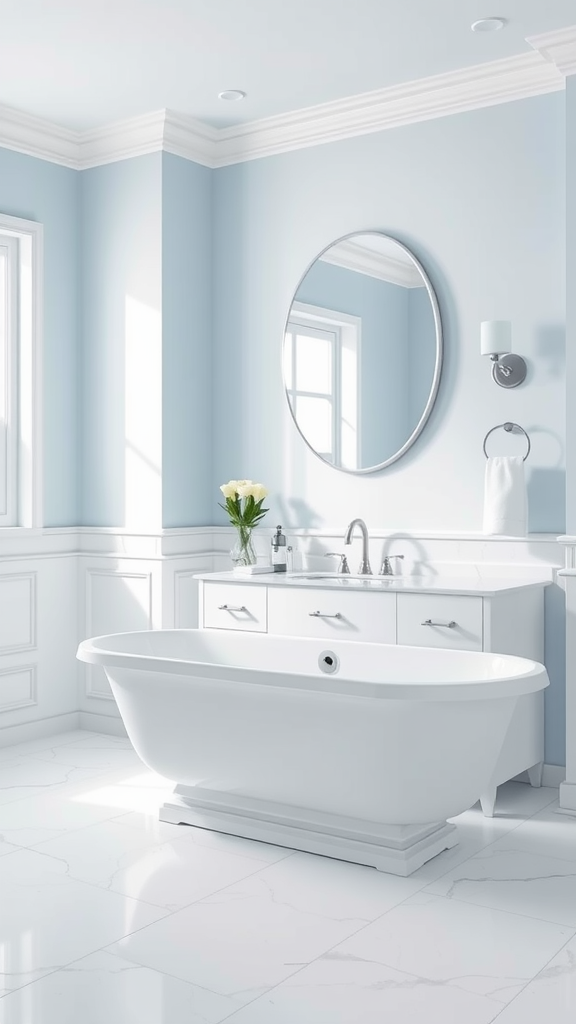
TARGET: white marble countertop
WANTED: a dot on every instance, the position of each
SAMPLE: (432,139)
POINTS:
(487,587)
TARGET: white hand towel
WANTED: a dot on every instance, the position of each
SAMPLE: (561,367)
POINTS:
(505,501)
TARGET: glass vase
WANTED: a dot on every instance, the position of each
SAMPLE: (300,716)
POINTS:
(243,552)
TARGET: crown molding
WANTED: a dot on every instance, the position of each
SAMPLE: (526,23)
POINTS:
(191,139)
(162,130)
(558,47)
(120,140)
(542,70)
(374,264)
(482,85)
(34,136)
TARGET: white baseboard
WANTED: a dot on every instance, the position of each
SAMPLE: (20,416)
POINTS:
(12,734)
(553,776)
(567,798)
(108,724)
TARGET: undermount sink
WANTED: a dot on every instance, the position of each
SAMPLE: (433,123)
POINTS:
(344,578)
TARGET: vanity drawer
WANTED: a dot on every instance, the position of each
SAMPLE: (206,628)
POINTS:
(235,606)
(423,621)
(332,614)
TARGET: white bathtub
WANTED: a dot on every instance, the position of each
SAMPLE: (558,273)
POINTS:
(364,764)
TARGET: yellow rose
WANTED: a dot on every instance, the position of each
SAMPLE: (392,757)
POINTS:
(259,492)
(244,488)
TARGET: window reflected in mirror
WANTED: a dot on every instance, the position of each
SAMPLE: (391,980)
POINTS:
(362,352)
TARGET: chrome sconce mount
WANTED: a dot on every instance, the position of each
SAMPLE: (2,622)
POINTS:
(508,369)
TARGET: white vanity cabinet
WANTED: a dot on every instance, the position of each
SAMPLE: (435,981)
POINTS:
(502,617)
(330,614)
(505,618)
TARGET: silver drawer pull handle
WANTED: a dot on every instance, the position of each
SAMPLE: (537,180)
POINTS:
(325,615)
(231,608)
(430,622)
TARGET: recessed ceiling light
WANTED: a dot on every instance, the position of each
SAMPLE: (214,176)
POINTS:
(231,94)
(488,24)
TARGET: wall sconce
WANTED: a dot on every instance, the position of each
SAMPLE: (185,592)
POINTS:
(509,370)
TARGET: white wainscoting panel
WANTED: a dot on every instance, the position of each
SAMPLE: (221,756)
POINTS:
(38,675)
(133,582)
(117,601)
(185,599)
(18,687)
(18,612)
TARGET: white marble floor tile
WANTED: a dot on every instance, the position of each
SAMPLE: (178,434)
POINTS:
(476,949)
(98,740)
(150,824)
(26,822)
(252,935)
(104,989)
(517,801)
(48,920)
(551,997)
(357,992)
(515,881)
(202,927)
(205,837)
(29,777)
(127,789)
(475,833)
(94,752)
(7,847)
(105,758)
(547,834)
(167,873)
(43,743)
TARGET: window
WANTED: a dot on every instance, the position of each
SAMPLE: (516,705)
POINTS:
(321,371)
(8,380)
(20,413)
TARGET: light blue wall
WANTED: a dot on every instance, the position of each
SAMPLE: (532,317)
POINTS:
(45,192)
(479,198)
(383,309)
(186,342)
(121,260)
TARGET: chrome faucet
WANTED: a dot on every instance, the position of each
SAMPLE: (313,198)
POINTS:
(386,568)
(364,569)
(343,568)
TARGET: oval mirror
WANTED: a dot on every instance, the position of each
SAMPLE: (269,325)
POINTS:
(362,352)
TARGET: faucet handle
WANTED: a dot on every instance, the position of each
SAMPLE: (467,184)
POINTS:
(343,567)
(386,568)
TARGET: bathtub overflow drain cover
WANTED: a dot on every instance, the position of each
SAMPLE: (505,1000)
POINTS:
(329,662)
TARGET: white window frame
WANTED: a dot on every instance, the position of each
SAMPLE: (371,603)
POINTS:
(23,464)
(348,330)
(298,326)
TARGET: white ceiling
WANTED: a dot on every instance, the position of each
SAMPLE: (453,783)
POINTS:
(85,63)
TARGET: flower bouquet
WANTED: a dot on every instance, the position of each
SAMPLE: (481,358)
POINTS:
(244,508)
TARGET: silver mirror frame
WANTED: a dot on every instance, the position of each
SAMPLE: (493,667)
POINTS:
(437,365)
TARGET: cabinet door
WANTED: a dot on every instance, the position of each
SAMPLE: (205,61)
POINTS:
(440,620)
(235,606)
(332,614)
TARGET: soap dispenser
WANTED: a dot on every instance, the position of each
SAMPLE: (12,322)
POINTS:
(279,551)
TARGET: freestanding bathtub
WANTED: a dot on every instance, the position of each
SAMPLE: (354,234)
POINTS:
(360,751)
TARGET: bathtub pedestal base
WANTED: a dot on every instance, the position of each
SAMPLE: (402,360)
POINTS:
(398,849)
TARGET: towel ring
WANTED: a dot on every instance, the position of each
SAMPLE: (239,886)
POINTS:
(508,427)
